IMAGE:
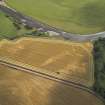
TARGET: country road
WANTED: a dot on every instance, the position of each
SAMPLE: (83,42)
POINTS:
(47,28)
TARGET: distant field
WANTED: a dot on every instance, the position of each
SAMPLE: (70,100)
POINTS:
(75,16)
(19,88)
(67,60)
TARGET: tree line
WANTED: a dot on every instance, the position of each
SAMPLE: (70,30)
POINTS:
(99,63)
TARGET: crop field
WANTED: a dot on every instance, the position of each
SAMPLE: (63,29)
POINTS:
(20,88)
(66,60)
(75,16)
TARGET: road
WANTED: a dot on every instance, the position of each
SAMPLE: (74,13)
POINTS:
(26,20)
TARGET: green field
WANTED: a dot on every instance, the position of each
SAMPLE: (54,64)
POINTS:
(9,30)
(6,26)
(76,16)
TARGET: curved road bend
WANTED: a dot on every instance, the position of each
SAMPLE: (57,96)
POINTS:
(47,28)
(47,76)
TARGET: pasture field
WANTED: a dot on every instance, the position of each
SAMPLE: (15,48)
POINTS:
(6,26)
(8,30)
(20,88)
(67,60)
(75,16)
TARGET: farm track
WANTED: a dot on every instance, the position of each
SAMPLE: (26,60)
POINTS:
(47,28)
(49,77)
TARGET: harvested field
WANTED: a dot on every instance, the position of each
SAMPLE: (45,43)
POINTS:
(66,60)
(20,88)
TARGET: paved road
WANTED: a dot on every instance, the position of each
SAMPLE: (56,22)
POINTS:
(47,76)
(47,28)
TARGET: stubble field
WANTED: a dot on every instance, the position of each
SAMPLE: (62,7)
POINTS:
(20,88)
(67,60)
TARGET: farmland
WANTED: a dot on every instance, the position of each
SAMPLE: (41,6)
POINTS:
(20,88)
(40,67)
(75,16)
(10,29)
(6,26)
(67,60)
